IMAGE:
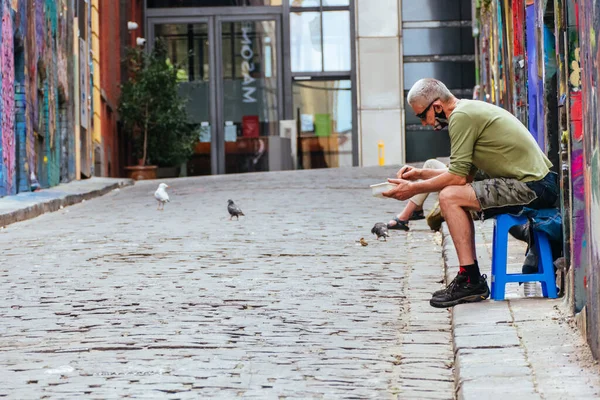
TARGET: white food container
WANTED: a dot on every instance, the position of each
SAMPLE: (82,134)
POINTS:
(379,188)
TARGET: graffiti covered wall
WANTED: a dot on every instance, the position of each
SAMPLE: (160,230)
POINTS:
(34,53)
(502,58)
(560,86)
(519,64)
(578,241)
(589,55)
(7,106)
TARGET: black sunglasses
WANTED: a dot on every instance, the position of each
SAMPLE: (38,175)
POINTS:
(423,114)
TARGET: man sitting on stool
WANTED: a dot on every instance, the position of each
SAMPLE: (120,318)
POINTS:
(486,137)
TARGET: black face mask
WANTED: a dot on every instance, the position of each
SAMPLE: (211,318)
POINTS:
(440,121)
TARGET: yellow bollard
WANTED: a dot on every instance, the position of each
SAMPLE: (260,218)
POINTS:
(380,152)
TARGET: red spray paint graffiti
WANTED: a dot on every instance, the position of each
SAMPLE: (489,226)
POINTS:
(576,116)
(578,220)
(8,100)
(589,29)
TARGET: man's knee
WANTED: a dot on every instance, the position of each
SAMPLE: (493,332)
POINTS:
(447,196)
(432,163)
(461,195)
(428,164)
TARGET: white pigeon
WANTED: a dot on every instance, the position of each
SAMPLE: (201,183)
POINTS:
(161,196)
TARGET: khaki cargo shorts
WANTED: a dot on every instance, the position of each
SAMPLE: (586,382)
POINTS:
(509,196)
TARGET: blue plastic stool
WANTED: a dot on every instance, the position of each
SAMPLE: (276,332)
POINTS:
(500,278)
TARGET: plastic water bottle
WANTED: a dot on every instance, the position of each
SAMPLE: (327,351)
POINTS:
(530,289)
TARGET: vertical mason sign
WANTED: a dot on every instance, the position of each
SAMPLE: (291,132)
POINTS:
(247,53)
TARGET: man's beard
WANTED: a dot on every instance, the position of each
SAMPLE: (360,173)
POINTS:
(440,121)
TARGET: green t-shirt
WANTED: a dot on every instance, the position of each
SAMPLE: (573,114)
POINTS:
(490,138)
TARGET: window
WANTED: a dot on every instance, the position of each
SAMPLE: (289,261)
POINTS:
(212,3)
(317,3)
(188,52)
(320,35)
(305,40)
(325,110)
(336,40)
(187,49)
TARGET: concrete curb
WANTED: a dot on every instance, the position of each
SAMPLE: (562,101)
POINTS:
(520,348)
(26,206)
(483,338)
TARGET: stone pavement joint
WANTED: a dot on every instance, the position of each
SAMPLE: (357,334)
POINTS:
(24,206)
(525,348)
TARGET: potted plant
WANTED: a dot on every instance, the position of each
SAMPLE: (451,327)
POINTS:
(153,114)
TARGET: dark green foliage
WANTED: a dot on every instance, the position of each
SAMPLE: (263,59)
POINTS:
(152,112)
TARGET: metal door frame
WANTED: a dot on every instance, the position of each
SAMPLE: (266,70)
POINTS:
(220,97)
(281,14)
(215,60)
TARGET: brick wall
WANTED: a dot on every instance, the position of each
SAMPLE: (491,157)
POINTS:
(110,76)
(110,51)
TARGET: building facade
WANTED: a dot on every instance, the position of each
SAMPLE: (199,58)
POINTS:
(109,60)
(117,25)
(82,85)
(322,81)
(400,42)
(245,66)
(110,33)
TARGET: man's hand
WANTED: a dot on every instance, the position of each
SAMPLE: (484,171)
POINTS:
(402,191)
(409,173)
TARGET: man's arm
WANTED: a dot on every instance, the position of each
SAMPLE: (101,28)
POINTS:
(463,136)
(431,173)
(411,174)
(405,189)
(438,182)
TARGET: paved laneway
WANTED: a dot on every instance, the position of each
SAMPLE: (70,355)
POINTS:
(112,298)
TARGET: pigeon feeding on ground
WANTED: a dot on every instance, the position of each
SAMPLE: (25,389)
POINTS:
(234,210)
(381,230)
(161,196)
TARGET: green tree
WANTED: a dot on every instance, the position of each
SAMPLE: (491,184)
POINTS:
(152,111)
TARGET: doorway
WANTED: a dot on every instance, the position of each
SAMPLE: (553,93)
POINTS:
(230,72)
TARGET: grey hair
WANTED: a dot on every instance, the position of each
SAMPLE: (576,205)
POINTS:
(426,90)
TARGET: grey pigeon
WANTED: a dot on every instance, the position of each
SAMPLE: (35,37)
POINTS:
(234,210)
(381,230)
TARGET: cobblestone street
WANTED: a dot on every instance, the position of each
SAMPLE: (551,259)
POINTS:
(112,298)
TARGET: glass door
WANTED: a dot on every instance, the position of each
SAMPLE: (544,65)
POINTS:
(324,109)
(249,100)
(188,50)
(229,72)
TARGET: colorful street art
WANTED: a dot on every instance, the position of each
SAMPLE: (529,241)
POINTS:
(589,54)
(33,60)
(553,89)
(578,245)
(8,101)
(519,72)
(503,67)
(534,83)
